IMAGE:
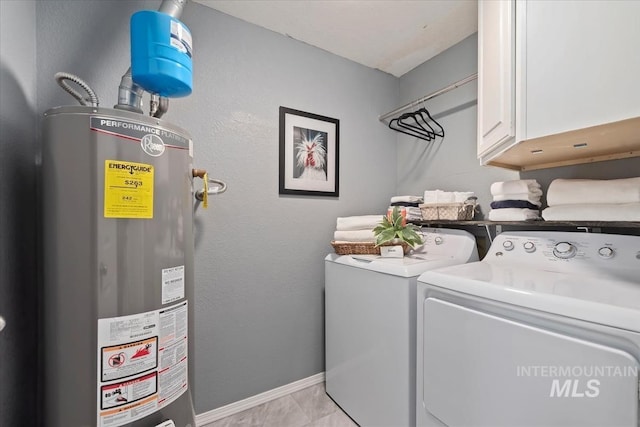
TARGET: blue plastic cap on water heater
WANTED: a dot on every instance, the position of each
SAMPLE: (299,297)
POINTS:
(161,49)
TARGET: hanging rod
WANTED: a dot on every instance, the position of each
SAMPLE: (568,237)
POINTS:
(428,97)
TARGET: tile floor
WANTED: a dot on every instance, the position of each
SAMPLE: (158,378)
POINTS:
(310,407)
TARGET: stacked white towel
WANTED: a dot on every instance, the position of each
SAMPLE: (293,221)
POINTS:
(593,200)
(410,205)
(518,186)
(439,196)
(354,236)
(513,214)
(516,200)
(362,222)
(356,228)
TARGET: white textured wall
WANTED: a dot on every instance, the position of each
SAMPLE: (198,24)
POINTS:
(259,256)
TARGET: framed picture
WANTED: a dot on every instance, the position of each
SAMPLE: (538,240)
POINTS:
(308,153)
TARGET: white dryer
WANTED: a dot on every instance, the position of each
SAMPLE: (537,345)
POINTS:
(544,331)
(370,326)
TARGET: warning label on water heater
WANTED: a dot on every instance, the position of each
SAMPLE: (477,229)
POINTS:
(121,361)
(172,284)
(142,364)
(128,190)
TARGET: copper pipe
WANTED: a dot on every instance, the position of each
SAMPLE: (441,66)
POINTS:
(198,173)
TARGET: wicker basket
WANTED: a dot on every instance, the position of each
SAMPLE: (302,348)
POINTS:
(362,248)
(447,211)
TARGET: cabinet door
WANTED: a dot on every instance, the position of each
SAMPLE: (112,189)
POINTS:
(496,75)
(583,64)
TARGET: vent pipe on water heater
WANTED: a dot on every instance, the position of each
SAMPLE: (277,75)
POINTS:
(173,8)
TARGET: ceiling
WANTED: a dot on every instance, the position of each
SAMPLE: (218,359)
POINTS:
(394,36)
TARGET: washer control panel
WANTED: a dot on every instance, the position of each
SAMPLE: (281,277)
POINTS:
(444,242)
(567,251)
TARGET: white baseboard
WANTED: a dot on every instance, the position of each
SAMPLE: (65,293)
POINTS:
(258,399)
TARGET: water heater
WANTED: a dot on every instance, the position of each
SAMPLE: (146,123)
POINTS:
(118,242)
(118,252)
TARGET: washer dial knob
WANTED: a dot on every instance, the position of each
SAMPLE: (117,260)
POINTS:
(438,240)
(564,250)
(529,247)
(508,245)
(605,252)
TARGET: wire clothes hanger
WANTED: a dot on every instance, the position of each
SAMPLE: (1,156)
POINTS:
(424,111)
(410,125)
(416,124)
(396,125)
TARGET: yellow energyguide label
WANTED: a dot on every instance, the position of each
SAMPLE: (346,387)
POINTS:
(128,190)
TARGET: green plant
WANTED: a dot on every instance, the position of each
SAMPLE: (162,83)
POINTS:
(394,228)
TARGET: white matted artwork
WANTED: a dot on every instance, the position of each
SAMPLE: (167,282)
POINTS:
(309,145)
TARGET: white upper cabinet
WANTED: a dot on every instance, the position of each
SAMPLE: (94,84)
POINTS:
(558,82)
(583,64)
(496,75)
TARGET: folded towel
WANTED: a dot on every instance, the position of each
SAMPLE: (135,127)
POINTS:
(354,236)
(514,196)
(363,222)
(414,214)
(406,204)
(530,191)
(513,214)
(439,196)
(411,213)
(414,199)
(593,212)
(515,186)
(523,204)
(583,191)
(533,199)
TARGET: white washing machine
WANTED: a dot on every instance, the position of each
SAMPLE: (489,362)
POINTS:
(544,331)
(370,326)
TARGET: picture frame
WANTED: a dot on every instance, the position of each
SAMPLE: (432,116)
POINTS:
(309,154)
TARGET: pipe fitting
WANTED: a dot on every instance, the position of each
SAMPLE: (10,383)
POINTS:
(129,94)
(173,8)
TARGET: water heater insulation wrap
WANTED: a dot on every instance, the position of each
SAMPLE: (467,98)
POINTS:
(161,49)
(118,269)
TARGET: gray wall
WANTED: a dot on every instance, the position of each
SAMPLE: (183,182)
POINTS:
(259,268)
(448,163)
(18,210)
(87,38)
(259,256)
